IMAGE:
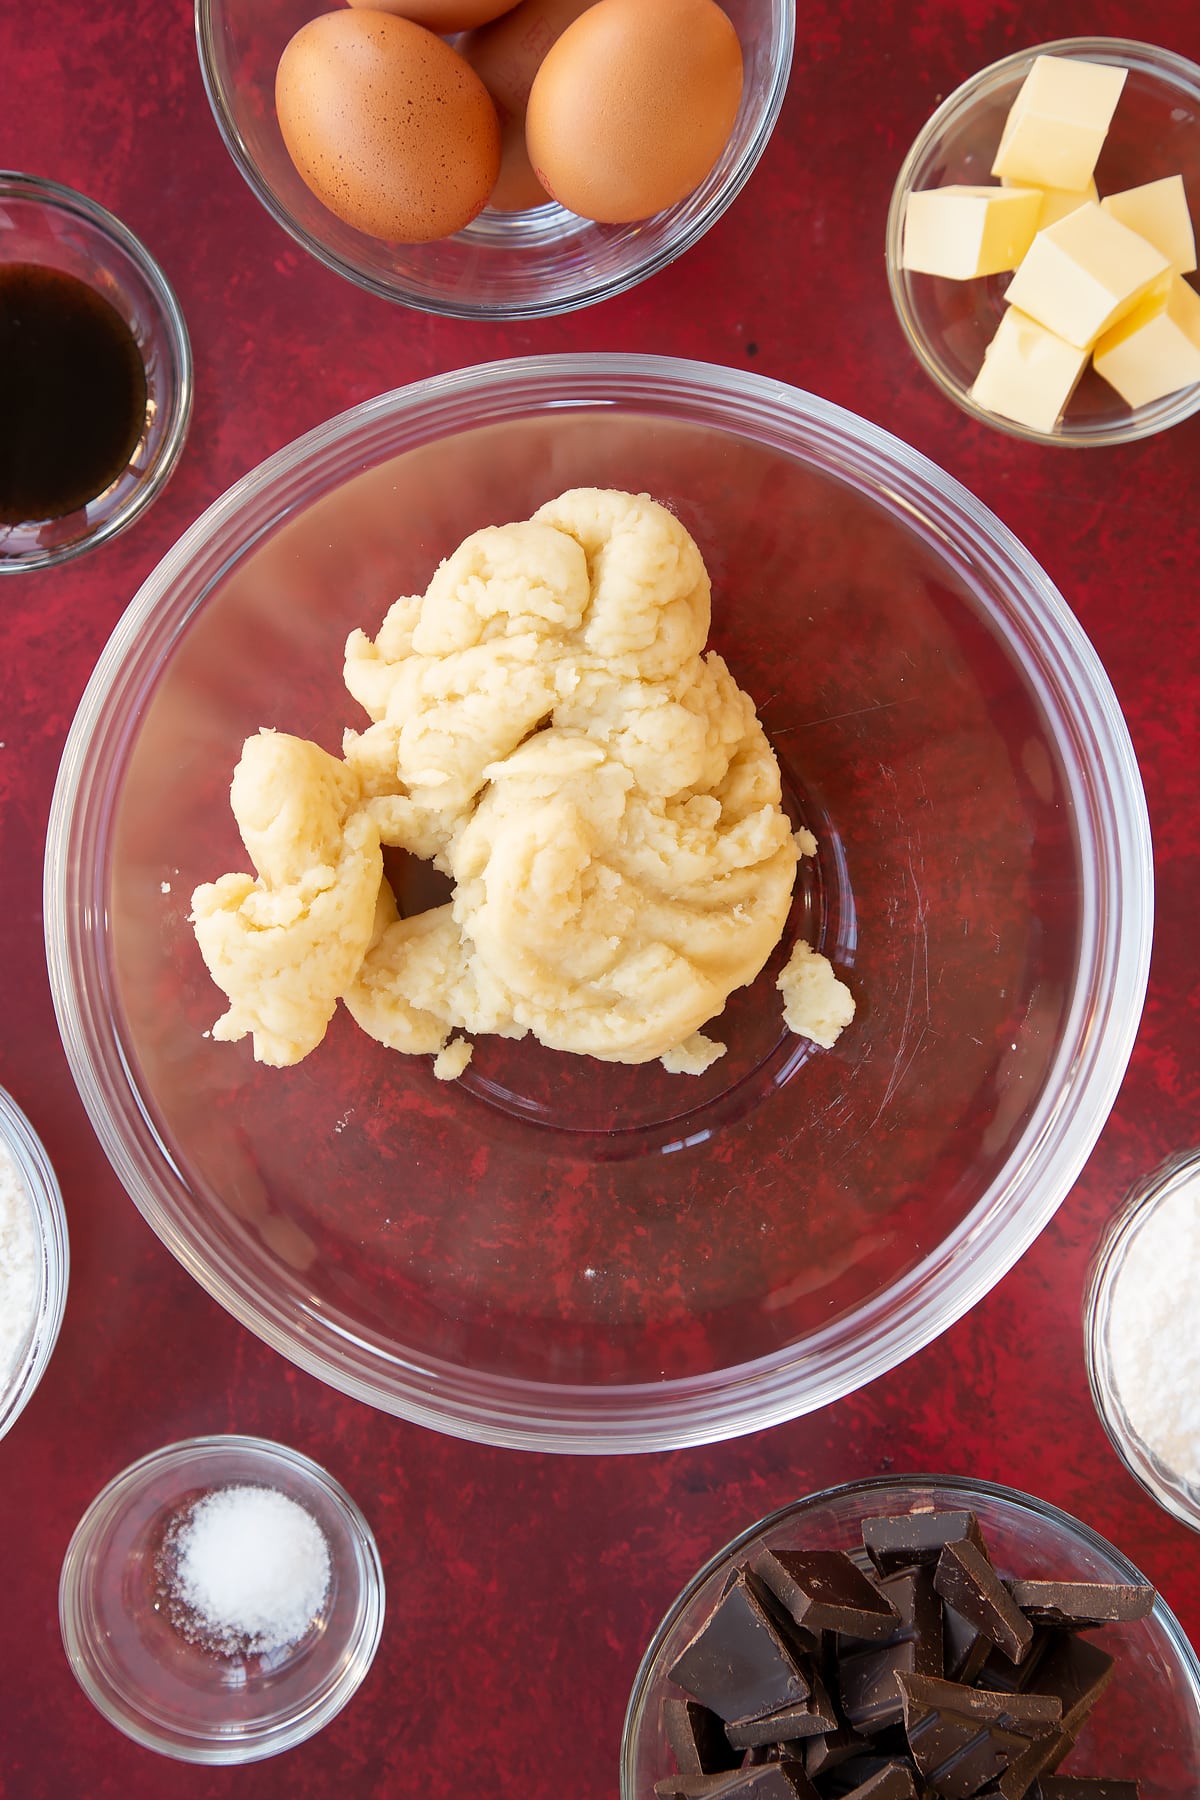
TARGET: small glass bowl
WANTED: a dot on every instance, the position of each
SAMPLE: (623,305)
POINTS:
(177,1697)
(1149,1724)
(521,265)
(50,1237)
(949,324)
(1167,1485)
(42,222)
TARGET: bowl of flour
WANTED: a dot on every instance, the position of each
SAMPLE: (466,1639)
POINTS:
(34,1260)
(1142,1338)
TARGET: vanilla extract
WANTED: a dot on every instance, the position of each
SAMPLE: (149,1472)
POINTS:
(72,394)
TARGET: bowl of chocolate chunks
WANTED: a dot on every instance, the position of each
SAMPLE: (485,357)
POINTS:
(916,1638)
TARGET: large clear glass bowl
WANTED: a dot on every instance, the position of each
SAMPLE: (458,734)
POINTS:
(1147,1725)
(554,1252)
(522,265)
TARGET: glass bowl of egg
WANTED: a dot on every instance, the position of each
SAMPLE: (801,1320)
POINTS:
(1080,1683)
(645,123)
(716,918)
(1041,243)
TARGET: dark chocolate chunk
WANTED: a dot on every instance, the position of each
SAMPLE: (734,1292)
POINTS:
(694,1787)
(738,1664)
(852,1778)
(1083,1787)
(810,1717)
(765,1781)
(962,1738)
(964,1650)
(802,1642)
(824,1591)
(967,1581)
(775,1781)
(824,1754)
(899,1540)
(894,1782)
(697,1737)
(1003,1676)
(1076,1672)
(1043,1754)
(1080,1604)
(867,1686)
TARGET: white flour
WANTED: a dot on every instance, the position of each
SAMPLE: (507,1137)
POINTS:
(18,1263)
(1154,1331)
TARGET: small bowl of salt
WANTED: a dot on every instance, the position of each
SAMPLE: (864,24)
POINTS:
(221,1599)
(34,1260)
(1142,1334)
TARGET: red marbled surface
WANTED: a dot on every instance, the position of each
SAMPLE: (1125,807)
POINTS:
(522,1588)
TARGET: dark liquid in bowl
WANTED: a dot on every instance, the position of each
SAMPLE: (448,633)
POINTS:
(72,393)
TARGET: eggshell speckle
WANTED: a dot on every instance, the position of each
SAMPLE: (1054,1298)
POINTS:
(387,125)
(633,105)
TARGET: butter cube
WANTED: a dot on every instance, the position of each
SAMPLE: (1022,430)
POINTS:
(1028,373)
(1159,213)
(1058,122)
(1056,202)
(1084,273)
(964,231)
(1155,350)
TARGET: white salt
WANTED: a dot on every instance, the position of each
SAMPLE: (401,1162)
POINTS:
(1154,1331)
(18,1263)
(252,1567)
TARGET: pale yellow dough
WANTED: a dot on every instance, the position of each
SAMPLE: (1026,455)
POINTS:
(816,1004)
(285,947)
(546,726)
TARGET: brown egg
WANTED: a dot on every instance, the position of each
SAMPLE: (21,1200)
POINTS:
(633,105)
(506,55)
(387,125)
(443,16)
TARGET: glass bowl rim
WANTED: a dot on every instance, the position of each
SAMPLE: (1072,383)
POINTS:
(588,291)
(1162,1484)
(1166,65)
(179,381)
(266,1739)
(1115,939)
(961,1486)
(52,1242)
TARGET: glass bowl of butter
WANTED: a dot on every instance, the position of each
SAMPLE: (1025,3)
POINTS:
(538,1246)
(1041,243)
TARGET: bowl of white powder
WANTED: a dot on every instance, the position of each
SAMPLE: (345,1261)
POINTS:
(33,1260)
(221,1599)
(1142,1337)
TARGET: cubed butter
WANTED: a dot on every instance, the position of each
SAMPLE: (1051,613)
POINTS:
(1056,202)
(1158,211)
(1058,121)
(1155,350)
(1084,273)
(962,231)
(1028,373)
